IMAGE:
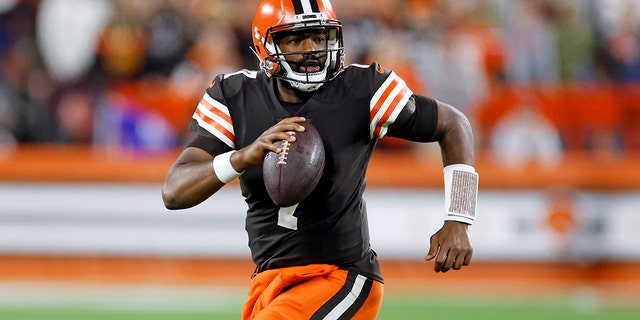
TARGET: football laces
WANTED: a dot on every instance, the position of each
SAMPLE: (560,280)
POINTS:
(282,156)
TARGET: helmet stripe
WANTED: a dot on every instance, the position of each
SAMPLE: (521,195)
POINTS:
(305,6)
(314,5)
(297,6)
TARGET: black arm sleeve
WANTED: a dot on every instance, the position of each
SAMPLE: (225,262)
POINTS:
(211,145)
(417,121)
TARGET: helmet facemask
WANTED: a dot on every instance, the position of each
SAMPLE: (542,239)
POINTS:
(330,59)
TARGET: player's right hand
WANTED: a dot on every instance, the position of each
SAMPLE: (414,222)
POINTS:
(254,153)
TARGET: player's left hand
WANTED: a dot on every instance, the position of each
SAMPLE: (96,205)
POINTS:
(450,246)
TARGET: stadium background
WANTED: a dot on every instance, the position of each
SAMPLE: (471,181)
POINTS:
(95,99)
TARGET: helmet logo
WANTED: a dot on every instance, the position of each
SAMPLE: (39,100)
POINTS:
(307,16)
(305,6)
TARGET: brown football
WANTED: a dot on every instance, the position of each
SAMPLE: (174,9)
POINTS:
(291,175)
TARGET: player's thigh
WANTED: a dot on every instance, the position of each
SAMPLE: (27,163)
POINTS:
(339,295)
(370,308)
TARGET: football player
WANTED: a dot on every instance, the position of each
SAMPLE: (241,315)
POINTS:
(313,260)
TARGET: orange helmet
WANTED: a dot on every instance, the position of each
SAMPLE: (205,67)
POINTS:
(275,16)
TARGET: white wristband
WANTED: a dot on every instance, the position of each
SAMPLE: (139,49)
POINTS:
(461,192)
(223,169)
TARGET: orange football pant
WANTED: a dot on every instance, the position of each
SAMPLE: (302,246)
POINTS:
(317,291)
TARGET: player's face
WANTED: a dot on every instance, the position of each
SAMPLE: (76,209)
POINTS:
(305,50)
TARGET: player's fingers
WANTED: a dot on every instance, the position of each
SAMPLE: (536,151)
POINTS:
(453,260)
(442,264)
(467,258)
(458,262)
(433,248)
(293,119)
(256,151)
(273,140)
(289,124)
(282,128)
(269,142)
(463,258)
(437,266)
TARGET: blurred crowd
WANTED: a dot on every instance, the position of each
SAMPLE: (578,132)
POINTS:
(537,77)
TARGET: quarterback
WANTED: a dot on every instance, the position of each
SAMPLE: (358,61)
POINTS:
(314,260)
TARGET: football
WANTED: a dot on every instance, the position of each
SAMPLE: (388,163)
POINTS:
(291,175)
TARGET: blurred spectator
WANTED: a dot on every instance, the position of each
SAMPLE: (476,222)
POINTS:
(450,57)
(25,85)
(213,52)
(121,48)
(574,41)
(67,34)
(616,30)
(524,136)
(168,38)
(526,25)
(75,112)
(360,32)
(625,43)
(66,65)
(8,121)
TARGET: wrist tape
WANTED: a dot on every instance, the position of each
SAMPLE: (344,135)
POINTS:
(461,192)
(223,169)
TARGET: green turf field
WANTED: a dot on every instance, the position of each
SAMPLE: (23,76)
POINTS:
(151,304)
(395,308)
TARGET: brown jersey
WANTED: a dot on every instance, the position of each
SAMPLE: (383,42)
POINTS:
(350,112)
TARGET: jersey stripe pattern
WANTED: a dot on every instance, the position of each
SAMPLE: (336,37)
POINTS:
(387,103)
(214,117)
(348,300)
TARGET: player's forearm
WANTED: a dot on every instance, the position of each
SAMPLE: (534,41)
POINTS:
(456,141)
(460,176)
(189,184)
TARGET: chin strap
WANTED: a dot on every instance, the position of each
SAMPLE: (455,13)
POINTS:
(306,87)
